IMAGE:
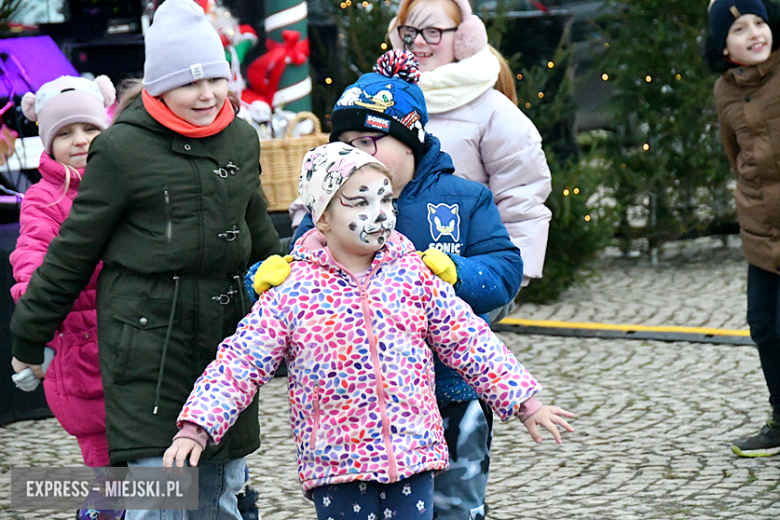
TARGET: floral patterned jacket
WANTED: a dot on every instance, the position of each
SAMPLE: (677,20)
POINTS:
(361,380)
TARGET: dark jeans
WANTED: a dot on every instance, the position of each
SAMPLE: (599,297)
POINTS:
(763,315)
(459,492)
(408,499)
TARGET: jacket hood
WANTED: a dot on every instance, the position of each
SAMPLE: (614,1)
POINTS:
(312,248)
(54,172)
(432,163)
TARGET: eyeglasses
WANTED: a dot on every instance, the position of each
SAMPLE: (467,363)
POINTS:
(367,143)
(431,35)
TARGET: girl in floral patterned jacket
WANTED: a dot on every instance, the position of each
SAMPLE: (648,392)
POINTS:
(353,321)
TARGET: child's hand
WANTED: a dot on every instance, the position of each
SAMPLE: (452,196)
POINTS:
(548,417)
(271,272)
(176,455)
(441,265)
(18,366)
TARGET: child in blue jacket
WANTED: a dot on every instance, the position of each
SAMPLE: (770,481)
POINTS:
(457,225)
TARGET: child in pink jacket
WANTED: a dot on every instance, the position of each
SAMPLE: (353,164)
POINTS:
(70,112)
(353,321)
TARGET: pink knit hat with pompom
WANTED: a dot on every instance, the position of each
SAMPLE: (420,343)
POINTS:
(67,100)
(470,38)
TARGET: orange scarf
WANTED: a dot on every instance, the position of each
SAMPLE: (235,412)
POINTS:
(163,115)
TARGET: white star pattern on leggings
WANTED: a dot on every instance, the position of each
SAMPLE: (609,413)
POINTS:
(420,505)
(407,490)
(388,513)
(356,508)
(326,501)
(372,516)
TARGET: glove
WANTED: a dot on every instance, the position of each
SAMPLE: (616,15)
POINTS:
(26,380)
(271,272)
(441,265)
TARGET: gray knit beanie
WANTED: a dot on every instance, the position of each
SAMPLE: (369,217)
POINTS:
(181,47)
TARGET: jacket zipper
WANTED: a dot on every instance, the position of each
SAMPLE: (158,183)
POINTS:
(168,220)
(316,399)
(380,388)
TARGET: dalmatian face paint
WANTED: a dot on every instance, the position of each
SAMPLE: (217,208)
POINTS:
(362,216)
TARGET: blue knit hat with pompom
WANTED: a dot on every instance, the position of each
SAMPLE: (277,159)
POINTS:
(387,100)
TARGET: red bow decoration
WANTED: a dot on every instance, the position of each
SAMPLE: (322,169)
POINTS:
(265,72)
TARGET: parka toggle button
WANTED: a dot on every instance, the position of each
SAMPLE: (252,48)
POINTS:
(230,234)
(228,169)
(225,298)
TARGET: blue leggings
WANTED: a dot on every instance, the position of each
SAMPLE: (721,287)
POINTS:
(411,498)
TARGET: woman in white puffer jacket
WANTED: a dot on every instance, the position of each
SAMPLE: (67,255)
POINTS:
(489,138)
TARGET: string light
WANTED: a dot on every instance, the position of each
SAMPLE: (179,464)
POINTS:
(348,2)
(587,218)
(541,95)
(528,105)
(520,77)
(383,46)
(550,64)
(623,165)
(605,76)
(678,77)
(645,147)
(343,5)
(365,4)
(566,192)
(576,191)
(606,45)
(328,81)
(648,78)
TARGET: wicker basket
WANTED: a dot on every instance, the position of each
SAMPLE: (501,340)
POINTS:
(281,161)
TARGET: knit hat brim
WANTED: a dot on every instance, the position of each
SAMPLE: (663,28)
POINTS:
(179,78)
(365,120)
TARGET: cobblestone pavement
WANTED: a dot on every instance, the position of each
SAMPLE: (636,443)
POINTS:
(654,419)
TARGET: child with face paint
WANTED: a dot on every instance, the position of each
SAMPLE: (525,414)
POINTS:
(356,322)
(747,96)
(457,225)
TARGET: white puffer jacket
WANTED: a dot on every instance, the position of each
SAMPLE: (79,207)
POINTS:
(493,142)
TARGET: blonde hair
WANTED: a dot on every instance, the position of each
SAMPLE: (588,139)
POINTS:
(69,172)
(129,89)
(506,80)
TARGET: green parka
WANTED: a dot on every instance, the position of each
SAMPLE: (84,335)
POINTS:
(176,221)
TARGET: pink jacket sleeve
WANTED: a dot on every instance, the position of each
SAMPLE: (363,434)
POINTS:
(245,361)
(39,223)
(465,342)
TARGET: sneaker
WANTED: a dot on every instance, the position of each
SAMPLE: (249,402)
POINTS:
(247,504)
(92,514)
(765,444)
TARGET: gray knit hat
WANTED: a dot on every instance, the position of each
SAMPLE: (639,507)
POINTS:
(181,47)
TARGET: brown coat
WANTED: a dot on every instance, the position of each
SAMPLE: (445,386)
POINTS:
(748,104)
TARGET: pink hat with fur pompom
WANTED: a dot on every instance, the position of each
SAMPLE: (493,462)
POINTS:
(470,38)
(67,100)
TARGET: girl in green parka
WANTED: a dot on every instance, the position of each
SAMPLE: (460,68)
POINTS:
(171,203)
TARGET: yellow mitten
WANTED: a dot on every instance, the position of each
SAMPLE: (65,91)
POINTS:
(441,265)
(273,271)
